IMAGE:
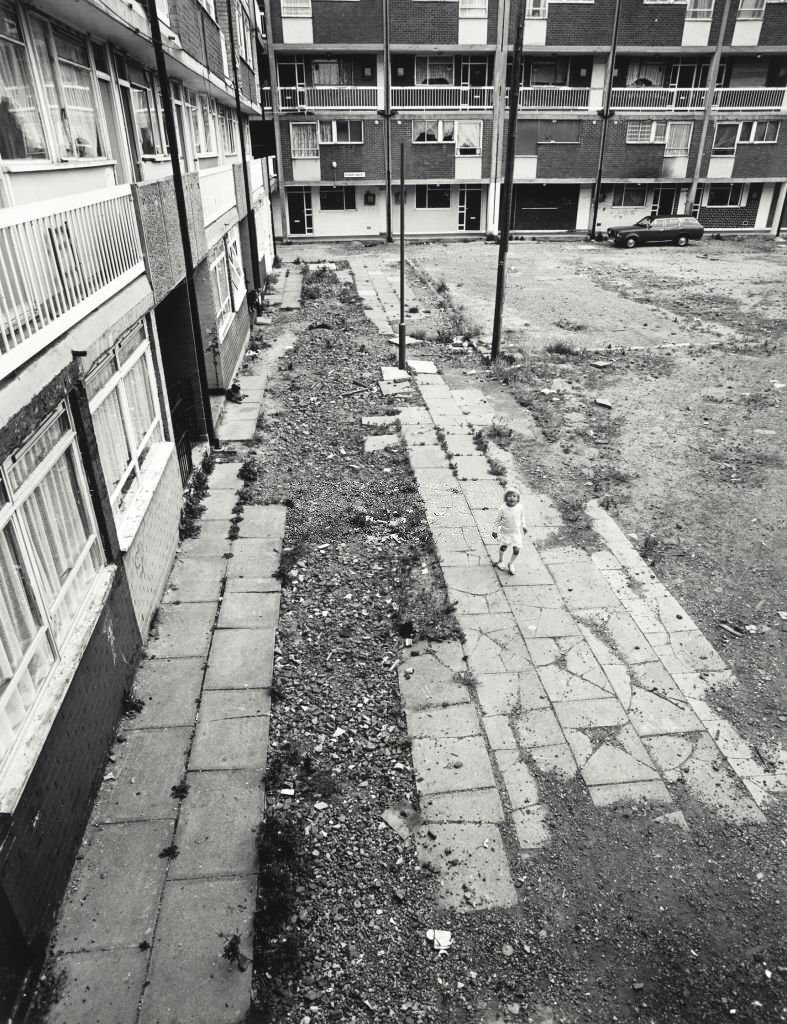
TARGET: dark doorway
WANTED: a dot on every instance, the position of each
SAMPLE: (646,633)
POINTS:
(299,208)
(469,207)
(545,207)
(665,200)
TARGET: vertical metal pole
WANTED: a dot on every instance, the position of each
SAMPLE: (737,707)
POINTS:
(710,93)
(507,199)
(252,225)
(183,220)
(605,115)
(402,337)
(387,114)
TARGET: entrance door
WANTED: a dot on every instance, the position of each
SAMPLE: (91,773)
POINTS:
(545,207)
(665,200)
(469,207)
(299,208)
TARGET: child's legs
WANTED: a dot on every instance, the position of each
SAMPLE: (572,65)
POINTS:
(514,554)
(503,549)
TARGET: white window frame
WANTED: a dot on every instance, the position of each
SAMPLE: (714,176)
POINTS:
(227,130)
(699,10)
(116,382)
(656,132)
(345,190)
(440,140)
(751,10)
(334,140)
(537,9)
(473,8)
(296,8)
(753,131)
(742,199)
(11,512)
(312,153)
(480,124)
(427,193)
(222,294)
(206,104)
(670,149)
(235,269)
(38,108)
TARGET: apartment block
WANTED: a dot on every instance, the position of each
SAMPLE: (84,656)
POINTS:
(105,382)
(440,73)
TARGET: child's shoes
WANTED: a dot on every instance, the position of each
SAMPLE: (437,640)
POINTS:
(499,565)
(511,570)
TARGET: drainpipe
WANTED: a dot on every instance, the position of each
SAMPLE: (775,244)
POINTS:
(710,95)
(252,225)
(605,114)
(180,202)
(386,113)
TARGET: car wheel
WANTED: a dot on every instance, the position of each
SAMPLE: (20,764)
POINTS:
(631,242)
(681,240)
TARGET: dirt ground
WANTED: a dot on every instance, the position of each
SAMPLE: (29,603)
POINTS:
(620,919)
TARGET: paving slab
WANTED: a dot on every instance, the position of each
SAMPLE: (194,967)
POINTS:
(600,713)
(630,793)
(419,693)
(241,659)
(469,805)
(182,630)
(146,765)
(498,733)
(249,611)
(629,642)
(254,556)
(225,474)
(232,730)
(454,720)
(429,456)
(379,421)
(482,494)
(530,570)
(394,373)
(439,479)
(623,760)
(555,759)
(447,765)
(537,728)
(472,467)
(395,387)
(114,894)
(689,651)
(475,590)
(262,521)
(521,785)
(252,585)
(505,692)
(190,980)
(169,690)
(460,443)
(422,366)
(195,579)
(531,825)
(460,547)
(86,998)
(211,542)
(583,586)
(218,824)
(471,864)
(219,505)
(379,442)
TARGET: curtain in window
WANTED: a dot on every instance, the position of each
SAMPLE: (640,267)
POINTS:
(59,528)
(140,399)
(726,138)
(81,111)
(50,91)
(468,138)
(21,134)
(20,625)
(678,138)
(304,140)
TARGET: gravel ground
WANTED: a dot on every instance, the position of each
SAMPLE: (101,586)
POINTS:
(620,919)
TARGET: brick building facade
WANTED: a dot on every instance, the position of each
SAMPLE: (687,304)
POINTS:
(448,88)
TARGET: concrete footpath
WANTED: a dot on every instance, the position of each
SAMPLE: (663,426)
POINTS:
(581,665)
(156,927)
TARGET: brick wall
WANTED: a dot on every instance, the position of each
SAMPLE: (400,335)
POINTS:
(764,160)
(345,21)
(233,343)
(571,160)
(494,10)
(198,32)
(42,837)
(591,24)
(419,21)
(422,160)
(732,216)
(369,157)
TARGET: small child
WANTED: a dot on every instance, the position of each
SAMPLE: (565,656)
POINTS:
(510,524)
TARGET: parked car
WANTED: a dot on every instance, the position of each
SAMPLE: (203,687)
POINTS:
(657,229)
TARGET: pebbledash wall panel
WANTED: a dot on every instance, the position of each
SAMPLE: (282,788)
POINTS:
(39,841)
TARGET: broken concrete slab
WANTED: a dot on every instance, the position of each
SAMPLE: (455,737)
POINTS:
(447,765)
(232,730)
(393,373)
(469,805)
(378,442)
(532,830)
(84,995)
(182,630)
(455,720)
(471,865)
(394,387)
(195,579)
(630,793)
(422,366)
(494,644)
(504,692)
(521,785)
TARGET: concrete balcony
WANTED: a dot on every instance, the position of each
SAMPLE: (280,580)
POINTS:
(217,191)
(552,97)
(750,99)
(756,98)
(326,97)
(441,97)
(61,259)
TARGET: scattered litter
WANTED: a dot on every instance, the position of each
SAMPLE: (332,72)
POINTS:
(320,805)
(442,941)
(286,792)
(782,616)
(603,403)
(508,949)
(730,629)
(422,365)
(777,385)
(403,818)
(602,364)
(394,373)
(765,433)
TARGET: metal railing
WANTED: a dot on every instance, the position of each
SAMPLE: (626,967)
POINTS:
(328,97)
(59,260)
(442,97)
(657,98)
(552,97)
(749,99)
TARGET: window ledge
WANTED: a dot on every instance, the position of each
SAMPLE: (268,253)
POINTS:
(27,749)
(155,158)
(17,166)
(131,518)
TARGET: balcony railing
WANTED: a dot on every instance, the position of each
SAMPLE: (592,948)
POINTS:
(328,97)
(650,98)
(749,99)
(442,97)
(59,260)
(552,97)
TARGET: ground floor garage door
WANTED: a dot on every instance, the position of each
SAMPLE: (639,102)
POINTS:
(545,207)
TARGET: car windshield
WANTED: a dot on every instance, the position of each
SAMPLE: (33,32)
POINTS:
(644,223)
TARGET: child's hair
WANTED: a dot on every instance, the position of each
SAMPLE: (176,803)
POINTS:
(514,491)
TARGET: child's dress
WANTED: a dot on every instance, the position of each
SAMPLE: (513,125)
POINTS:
(510,525)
